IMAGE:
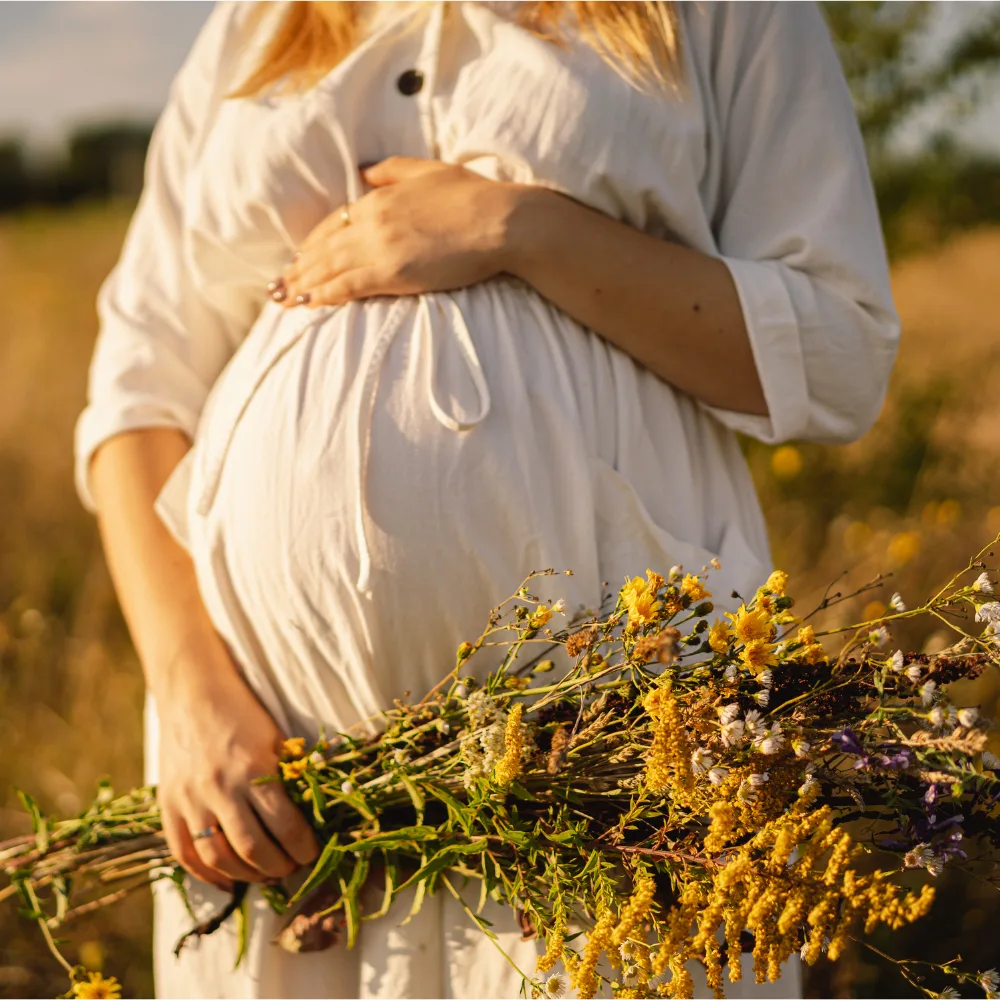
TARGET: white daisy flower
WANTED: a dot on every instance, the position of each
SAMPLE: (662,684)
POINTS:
(914,672)
(983,584)
(808,785)
(936,717)
(802,748)
(896,603)
(763,697)
(347,787)
(443,727)
(733,732)
(896,663)
(701,761)
(989,613)
(731,673)
(753,724)
(927,692)
(991,761)
(878,636)
(990,981)
(772,744)
(630,975)
(461,691)
(967,717)
(923,857)
(757,780)
(629,951)
(676,572)
(728,713)
(559,607)
(765,678)
(316,757)
(949,993)
(557,986)
(717,775)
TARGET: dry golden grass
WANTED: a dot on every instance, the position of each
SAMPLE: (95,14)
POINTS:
(917,495)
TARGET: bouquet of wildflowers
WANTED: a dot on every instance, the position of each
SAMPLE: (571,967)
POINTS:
(645,786)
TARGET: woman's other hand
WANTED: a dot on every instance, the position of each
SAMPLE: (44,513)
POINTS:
(215,739)
(426,226)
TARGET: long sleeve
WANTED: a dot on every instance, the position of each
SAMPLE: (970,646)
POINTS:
(161,343)
(797,225)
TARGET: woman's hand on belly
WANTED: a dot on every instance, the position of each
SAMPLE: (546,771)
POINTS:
(215,740)
(427,226)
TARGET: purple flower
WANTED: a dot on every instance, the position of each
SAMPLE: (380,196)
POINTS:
(848,741)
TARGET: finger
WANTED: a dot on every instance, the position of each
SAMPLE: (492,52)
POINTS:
(251,842)
(216,852)
(183,849)
(284,821)
(319,270)
(333,223)
(394,169)
(361,283)
(339,252)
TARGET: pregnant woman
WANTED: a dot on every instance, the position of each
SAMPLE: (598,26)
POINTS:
(420,298)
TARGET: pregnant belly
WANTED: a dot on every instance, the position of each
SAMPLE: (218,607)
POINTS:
(370,481)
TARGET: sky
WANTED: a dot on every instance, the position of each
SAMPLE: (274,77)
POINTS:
(66,64)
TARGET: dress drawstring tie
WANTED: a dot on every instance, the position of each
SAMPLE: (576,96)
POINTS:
(435,306)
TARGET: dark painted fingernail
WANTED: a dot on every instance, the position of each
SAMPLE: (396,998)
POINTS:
(279,294)
(303,299)
(273,286)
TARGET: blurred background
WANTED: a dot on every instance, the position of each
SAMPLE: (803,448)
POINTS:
(80,85)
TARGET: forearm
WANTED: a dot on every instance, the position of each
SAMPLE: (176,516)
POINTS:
(153,576)
(673,309)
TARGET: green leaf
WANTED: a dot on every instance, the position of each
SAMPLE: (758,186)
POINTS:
(456,811)
(39,825)
(318,798)
(242,929)
(350,892)
(326,866)
(416,797)
(394,838)
(390,880)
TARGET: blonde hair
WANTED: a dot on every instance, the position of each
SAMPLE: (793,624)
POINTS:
(639,39)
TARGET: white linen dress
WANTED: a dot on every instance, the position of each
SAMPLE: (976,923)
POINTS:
(366,482)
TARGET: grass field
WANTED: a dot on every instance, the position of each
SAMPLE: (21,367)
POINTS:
(916,496)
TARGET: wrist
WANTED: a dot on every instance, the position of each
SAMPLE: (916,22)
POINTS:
(530,216)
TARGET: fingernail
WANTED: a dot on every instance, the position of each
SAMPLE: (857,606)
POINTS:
(273,286)
(279,294)
(366,166)
(303,299)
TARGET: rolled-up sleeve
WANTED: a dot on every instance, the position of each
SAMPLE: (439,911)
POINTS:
(161,344)
(798,228)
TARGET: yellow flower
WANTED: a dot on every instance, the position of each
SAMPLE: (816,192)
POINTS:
(294,747)
(540,616)
(718,636)
(806,636)
(694,589)
(509,765)
(777,583)
(751,626)
(97,987)
(758,655)
(292,770)
(639,596)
